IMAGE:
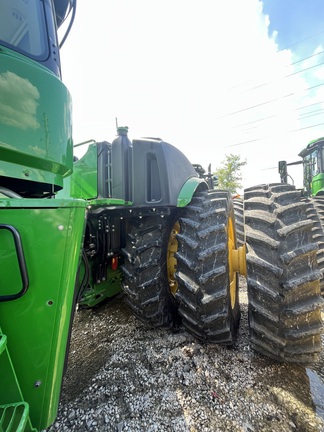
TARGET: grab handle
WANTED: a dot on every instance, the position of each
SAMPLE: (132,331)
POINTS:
(21,262)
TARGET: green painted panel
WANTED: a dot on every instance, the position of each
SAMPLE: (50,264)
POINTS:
(318,184)
(188,189)
(35,121)
(9,381)
(37,324)
(103,202)
(84,183)
(40,203)
(11,282)
(96,293)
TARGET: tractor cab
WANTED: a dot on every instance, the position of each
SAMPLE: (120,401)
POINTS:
(36,148)
(30,28)
(313,168)
(313,163)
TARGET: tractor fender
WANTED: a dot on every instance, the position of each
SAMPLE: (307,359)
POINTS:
(158,173)
(188,189)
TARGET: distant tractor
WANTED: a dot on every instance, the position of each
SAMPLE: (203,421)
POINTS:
(209,177)
(313,168)
(313,181)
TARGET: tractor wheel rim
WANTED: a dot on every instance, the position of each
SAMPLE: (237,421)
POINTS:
(231,272)
(171,259)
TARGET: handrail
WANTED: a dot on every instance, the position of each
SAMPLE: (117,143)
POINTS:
(21,262)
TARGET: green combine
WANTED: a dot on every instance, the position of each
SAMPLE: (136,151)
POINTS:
(129,215)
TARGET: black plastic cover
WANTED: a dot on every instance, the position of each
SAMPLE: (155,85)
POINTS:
(159,170)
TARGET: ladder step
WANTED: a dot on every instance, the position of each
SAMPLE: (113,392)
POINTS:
(14,417)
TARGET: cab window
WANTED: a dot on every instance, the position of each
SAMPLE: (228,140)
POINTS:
(22,27)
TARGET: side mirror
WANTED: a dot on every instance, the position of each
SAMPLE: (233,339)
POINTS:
(282,169)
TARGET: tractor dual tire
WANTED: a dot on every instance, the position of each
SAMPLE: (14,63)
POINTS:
(315,212)
(238,204)
(282,276)
(145,272)
(207,289)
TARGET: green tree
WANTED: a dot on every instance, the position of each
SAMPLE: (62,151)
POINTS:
(229,173)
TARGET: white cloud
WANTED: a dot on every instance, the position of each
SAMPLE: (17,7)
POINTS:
(19,101)
(179,70)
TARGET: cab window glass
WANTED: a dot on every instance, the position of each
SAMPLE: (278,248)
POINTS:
(22,27)
(312,163)
(322,159)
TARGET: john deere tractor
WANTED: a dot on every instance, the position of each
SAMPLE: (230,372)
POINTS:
(313,168)
(312,159)
(128,215)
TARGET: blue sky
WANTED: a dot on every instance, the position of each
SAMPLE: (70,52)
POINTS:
(295,21)
(210,77)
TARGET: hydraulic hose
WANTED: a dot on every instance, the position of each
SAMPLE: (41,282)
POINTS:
(9,193)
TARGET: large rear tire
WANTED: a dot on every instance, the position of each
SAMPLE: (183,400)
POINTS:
(239,221)
(207,289)
(282,275)
(145,269)
(315,211)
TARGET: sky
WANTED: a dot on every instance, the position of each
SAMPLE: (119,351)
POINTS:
(212,78)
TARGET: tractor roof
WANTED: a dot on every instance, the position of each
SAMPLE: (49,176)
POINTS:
(311,145)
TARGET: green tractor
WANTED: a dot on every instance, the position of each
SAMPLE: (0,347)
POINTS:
(128,215)
(313,168)
(313,180)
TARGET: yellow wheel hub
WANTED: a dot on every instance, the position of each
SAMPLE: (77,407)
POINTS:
(171,259)
(239,260)
(236,261)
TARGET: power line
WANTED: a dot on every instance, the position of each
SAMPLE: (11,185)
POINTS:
(305,58)
(302,116)
(304,70)
(285,133)
(276,115)
(306,127)
(311,114)
(302,40)
(309,105)
(255,121)
(286,65)
(282,77)
(267,102)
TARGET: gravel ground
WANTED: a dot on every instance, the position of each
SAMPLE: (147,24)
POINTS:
(123,376)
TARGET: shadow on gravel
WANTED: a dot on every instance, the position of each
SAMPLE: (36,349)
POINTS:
(124,376)
(93,330)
